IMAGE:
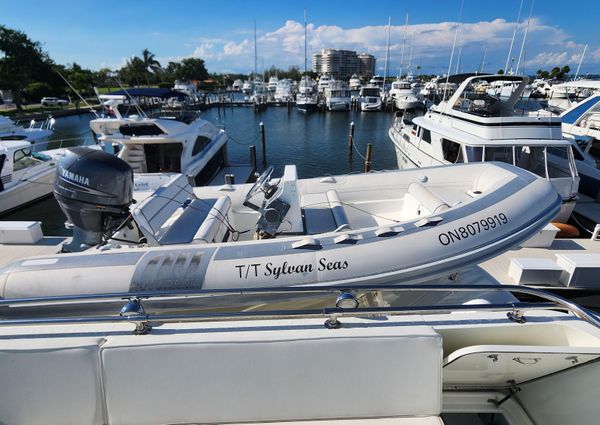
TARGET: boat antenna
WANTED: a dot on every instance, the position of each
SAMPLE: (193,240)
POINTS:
(482,63)
(512,41)
(403,45)
(411,54)
(462,3)
(84,101)
(524,38)
(387,53)
(580,61)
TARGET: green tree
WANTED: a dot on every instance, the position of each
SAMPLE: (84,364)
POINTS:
(500,71)
(191,69)
(564,71)
(133,72)
(22,62)
(151,64)
(554,73)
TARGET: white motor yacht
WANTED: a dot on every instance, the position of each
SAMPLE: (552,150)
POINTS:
(283,91)
(355,83)
(324,82)
(403,95)
(188,88)
(307,98)
(260,94)
(370,98)
(237,85)
(272,85)
(35,132)
(167,144)
(25,176)
(337,96)
(470,127)
(378,228)
(247,87)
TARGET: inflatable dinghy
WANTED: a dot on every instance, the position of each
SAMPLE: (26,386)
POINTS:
(388,227)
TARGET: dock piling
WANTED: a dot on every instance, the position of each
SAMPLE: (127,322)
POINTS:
(368,157)
(351,141)
(263,143)
(252,150)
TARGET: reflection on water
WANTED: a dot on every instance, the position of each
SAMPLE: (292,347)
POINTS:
(316,142)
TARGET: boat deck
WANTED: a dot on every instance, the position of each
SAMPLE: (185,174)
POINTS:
(48,245)
(496,269)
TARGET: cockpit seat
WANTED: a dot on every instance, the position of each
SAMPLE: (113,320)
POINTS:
(324,212)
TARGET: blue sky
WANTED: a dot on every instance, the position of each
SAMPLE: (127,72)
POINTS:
(97,34)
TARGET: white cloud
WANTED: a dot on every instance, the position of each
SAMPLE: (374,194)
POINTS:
(546,45)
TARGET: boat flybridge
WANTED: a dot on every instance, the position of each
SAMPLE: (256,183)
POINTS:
(337,96)
(166,144)
(34,133)
(25,175)
(370,98)
(247,87)
(475,127)
(396,226)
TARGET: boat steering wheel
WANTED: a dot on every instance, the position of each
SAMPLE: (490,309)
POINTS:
(261,184)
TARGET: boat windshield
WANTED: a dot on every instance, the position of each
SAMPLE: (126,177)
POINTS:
(530,158)
(371,91)
(24,158)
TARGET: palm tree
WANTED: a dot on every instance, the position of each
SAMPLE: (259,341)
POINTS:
(150,63)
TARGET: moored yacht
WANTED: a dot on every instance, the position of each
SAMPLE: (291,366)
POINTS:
(324,82)
(355,83)
(163,145)
(272,84)
(237,85)
(337,96)
(25,176)
(247,87)
(283,91)
(370,98)
(474,127)
(307,98)
(403,95)
(35,132)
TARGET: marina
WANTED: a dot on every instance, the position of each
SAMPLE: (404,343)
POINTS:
(399,230)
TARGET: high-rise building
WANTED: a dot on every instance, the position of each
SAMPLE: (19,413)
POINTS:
(343,63)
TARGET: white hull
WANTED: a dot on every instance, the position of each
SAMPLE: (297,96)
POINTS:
(33,186)
(399,248)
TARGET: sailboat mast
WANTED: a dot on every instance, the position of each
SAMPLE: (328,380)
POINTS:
(255,52)
(305,42)
(403,45)
(482,64)
(387,52)
(524,38)
(462,3)
(512,41)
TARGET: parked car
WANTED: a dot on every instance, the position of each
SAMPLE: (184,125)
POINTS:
(53,101)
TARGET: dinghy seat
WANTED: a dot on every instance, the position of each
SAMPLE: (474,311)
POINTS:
(173,215)
(323,213)
(427,198)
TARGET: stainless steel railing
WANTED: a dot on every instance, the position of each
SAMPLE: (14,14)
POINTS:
(345,304)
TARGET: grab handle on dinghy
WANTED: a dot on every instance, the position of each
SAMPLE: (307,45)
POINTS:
(307,243)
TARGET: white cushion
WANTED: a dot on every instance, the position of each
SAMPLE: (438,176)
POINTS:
(50,381)
(273,372)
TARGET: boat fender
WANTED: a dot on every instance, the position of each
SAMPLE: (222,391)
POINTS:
(566,230)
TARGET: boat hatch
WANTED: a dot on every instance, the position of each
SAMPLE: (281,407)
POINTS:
(489,366)
(140,130)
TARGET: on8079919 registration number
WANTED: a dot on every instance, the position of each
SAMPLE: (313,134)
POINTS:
(472,229)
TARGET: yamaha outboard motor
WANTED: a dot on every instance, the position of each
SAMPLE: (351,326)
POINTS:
(94,190)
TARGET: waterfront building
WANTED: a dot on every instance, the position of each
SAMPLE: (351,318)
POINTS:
(343,63)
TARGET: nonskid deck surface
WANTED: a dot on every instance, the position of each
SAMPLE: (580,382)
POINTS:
(48,245)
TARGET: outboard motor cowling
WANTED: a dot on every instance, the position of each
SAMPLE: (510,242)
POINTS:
(94,190)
